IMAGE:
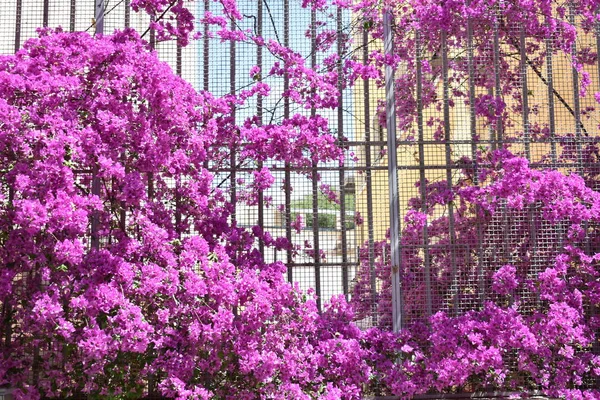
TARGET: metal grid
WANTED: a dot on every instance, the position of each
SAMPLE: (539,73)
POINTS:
(443,141)
(337,235)
(449,268)
(343,248)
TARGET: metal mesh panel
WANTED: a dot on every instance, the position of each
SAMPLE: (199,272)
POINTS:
(342,247)
(446,141)
(338,233)
(442,141)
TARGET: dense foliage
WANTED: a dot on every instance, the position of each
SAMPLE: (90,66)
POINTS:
(119,264)
(531,328)
(499,262)
(120,267)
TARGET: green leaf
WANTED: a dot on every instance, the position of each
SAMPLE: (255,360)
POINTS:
(62,267)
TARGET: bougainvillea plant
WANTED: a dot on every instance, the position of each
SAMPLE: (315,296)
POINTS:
(535,328)
(121,271)
(119,265)
(499,267)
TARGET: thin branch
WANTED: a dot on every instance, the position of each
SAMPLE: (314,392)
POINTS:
(105,14)
(159,18)
(272,21)
(544,81)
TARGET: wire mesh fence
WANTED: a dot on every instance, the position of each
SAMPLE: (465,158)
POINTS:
(448,141)
(342,246)
(334,234)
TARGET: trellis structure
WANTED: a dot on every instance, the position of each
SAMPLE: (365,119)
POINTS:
(393,159)
(222,67)
(546,119)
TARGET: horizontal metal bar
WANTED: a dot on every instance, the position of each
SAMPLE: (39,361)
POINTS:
(322,264)
(278,169)
(355,143)
(415,167)
(535,395)
(385,168)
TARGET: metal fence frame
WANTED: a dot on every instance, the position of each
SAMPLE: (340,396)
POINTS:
(348,262)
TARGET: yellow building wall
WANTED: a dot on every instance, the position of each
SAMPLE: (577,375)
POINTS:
(435,154)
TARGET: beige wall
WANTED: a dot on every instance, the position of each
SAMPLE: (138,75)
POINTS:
(435,154)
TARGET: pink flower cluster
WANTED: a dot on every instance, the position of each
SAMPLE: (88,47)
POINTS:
(121,267)
(119,264)
(534,329)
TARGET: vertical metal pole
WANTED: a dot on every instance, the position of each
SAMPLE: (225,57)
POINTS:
(497,141)
(491,127)
(506,224)
(7,311)
(123,210)
(472,118)
(19,14)
(448,148)
(316,244)
(152,40)
(72,15)
(288,177)
(206,49)
(6,320)
(95,217)
(340,127)
(232,158)
(178,70)
(99,16)
(205,64)
(550,84)
(596,308)
(422,177)
(150,185)
(598,44)
(127,13)
(178,207)
(45,13)
(315,175)
(150,177)
(524,93)
(535,262)
(179,58)
(576,104)
(390,117)
(259,114)
(369,181)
